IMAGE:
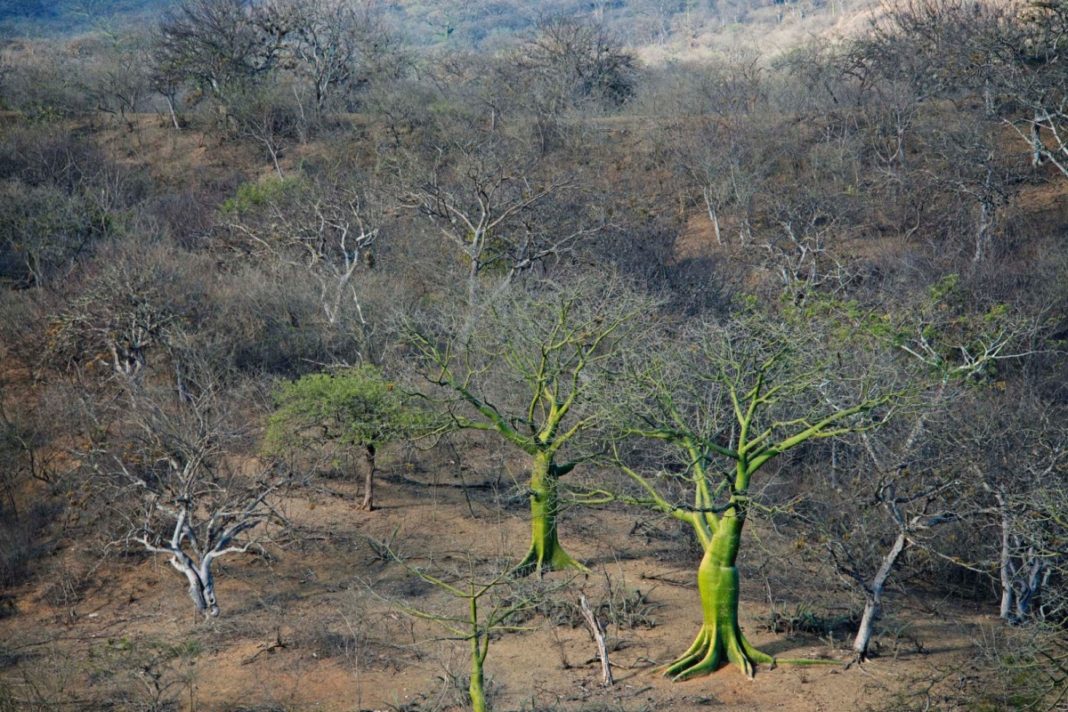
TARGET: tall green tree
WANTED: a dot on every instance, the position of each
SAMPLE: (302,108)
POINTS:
(540,370)
(725,405)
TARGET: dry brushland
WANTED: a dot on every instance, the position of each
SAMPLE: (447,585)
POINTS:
(613,356)
(324,624)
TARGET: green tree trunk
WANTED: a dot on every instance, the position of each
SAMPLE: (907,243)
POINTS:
(475,689)
(720,640)
(545,551)
(478,657)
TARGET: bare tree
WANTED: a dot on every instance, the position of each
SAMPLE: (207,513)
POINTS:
(491,608)
(266,115)
(341,47)
(325,230)
(913,504)
(569,63)
(128,306)
(118,80)
(726,153)
(219,45)
(965,163)
(170,469)
(909,474)
(1020,497)
(800,245)
(493,200)
(1035,79)
(42,229)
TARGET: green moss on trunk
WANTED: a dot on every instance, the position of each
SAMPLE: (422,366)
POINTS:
(720,640)
(545,550)
(478,658)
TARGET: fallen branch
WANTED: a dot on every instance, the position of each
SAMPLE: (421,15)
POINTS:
(597,630)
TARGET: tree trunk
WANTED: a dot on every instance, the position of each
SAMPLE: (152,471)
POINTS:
(368,479)
(873,607)
(1030,588)
(720,640)
(1037,147)
(174,115)
(899,153)
(201,584)
(545,550)
(713,214)
(274,158)
(987,215)
(478,657)
(207,580)
(1005,566)
(476,688)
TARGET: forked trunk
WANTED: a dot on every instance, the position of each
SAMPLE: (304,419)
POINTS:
(545,550)
(368,479)
(201,584)
(720,640)
(1030,588)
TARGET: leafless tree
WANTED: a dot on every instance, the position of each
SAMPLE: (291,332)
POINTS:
(340,47)
(221,44)
(800,245)
(491,607)
(118,79)
(963,161)
(568,63)
(722,143)
(1016,453)
(131,305)
(898,510)
(497,203)
(268,116)
(1035,79)
(171,469)
(42,228)
(324,230)
(910,475)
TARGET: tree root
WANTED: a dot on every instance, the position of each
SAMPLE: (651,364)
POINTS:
(537,562)
(716,646)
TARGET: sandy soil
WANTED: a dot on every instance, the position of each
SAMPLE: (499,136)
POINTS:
(321,627)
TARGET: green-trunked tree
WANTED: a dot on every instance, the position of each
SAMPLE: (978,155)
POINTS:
(723,405)
(541,369)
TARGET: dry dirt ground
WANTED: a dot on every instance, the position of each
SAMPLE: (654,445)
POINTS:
(322,625)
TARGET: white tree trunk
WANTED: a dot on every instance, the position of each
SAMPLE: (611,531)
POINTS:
(1005,566)
(174,115)
(874,598)
(710,206)
(201,584)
